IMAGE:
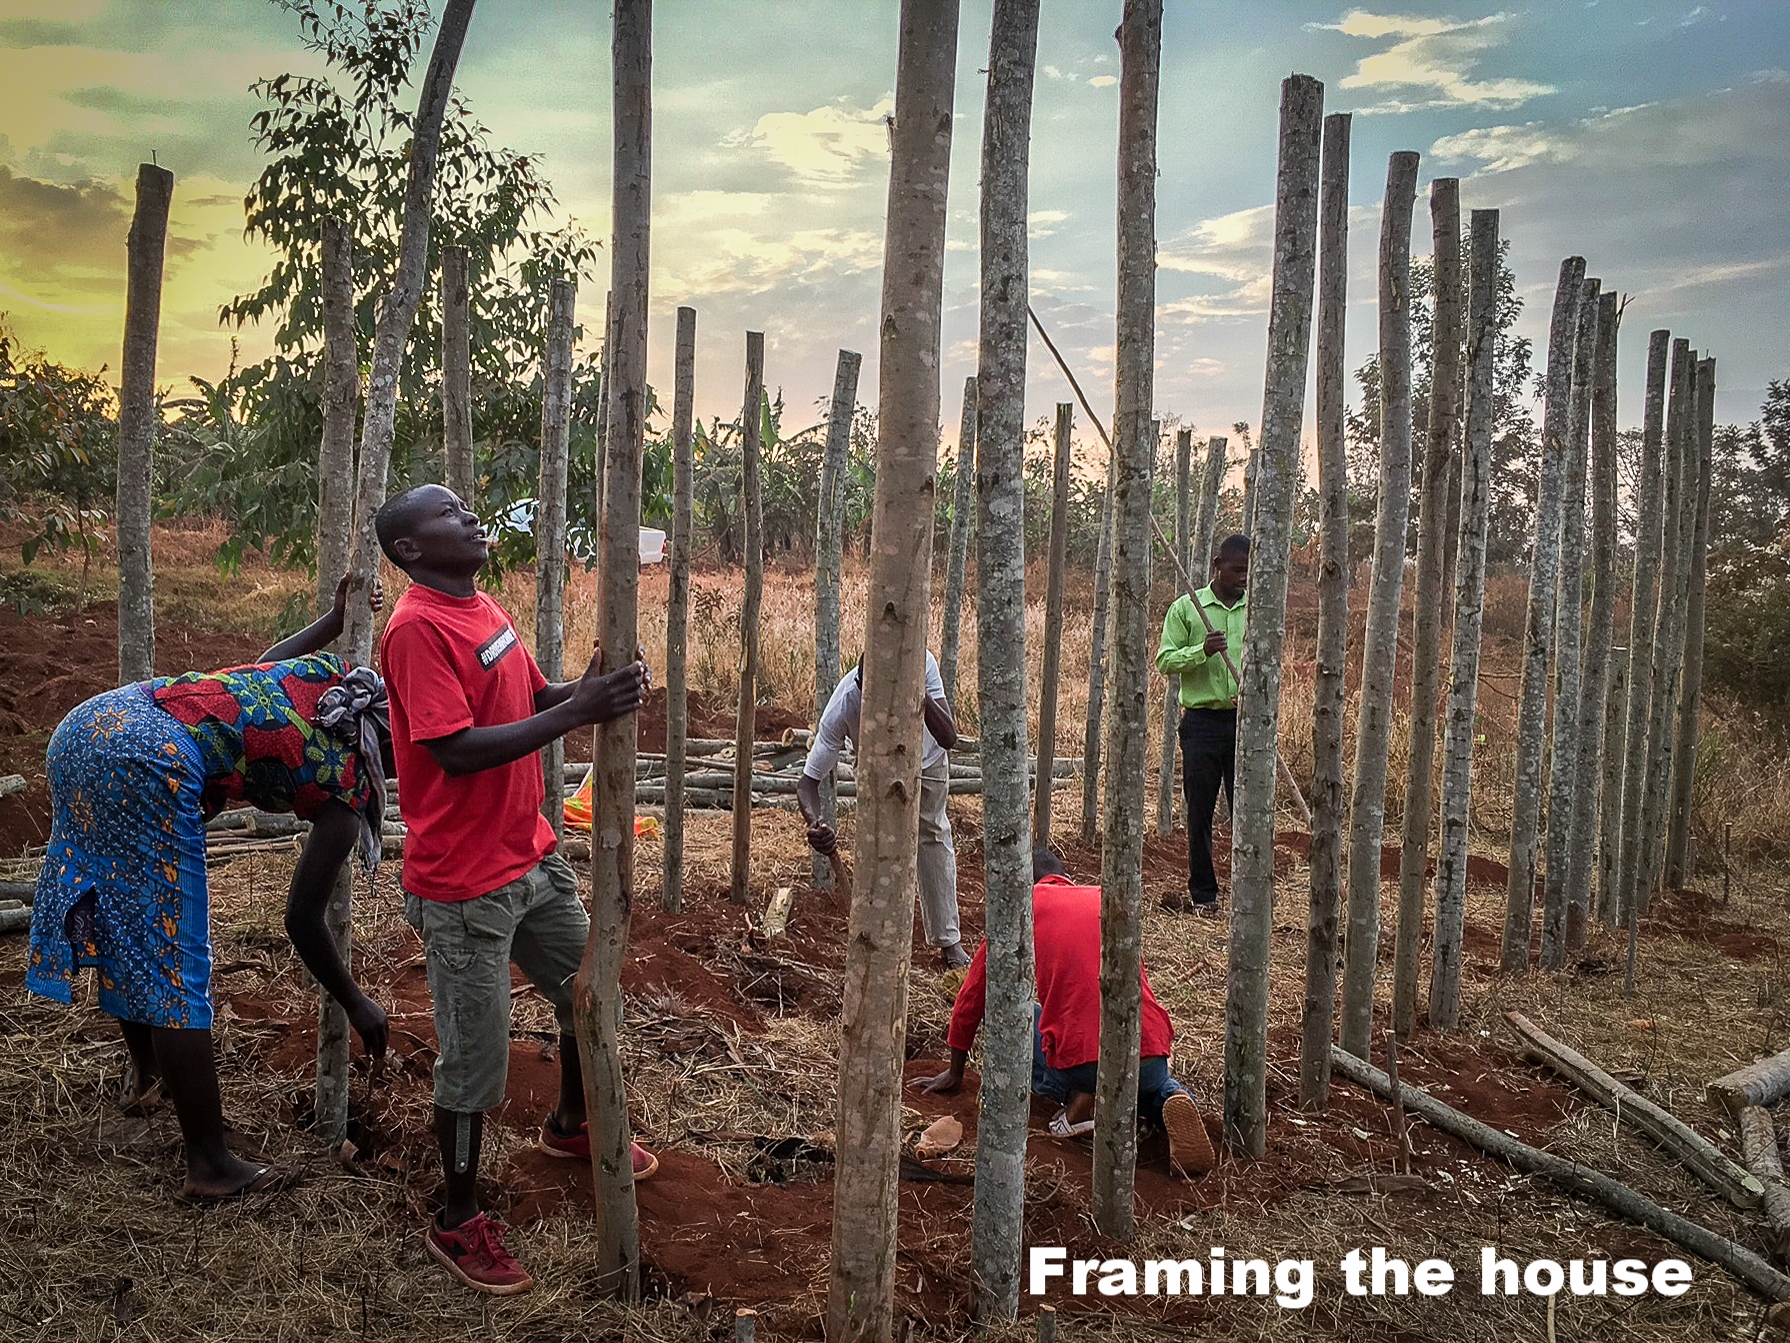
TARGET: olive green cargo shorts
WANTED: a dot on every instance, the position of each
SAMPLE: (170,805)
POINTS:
(537,922)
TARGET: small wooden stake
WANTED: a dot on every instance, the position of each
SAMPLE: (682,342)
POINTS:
(1047,1324)
(745,1325)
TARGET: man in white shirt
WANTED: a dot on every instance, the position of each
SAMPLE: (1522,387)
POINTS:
(937,854)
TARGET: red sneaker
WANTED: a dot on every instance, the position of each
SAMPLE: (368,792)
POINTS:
(576,1147)
(474,1253)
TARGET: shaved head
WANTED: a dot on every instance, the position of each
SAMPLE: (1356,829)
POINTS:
(400,513)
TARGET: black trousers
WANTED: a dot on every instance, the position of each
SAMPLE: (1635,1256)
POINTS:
(1208,759)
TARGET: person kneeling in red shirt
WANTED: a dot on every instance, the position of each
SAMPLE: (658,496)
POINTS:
(482,883)
(1066,1023)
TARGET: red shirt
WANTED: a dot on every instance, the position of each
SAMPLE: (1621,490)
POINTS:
(1066,948)
(452,663)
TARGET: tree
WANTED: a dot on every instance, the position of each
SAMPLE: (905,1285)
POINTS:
(58,450)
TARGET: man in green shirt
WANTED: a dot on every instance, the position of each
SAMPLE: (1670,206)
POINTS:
(1194,649)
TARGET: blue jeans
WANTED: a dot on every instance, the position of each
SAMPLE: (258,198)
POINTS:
(1154,1085)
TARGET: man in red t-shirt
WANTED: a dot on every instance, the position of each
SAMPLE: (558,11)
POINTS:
(1066,1023)
(482,883)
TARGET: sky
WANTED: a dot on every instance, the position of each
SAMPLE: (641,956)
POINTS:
(1651,138)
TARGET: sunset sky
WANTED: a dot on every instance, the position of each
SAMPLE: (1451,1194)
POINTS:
(1652,138)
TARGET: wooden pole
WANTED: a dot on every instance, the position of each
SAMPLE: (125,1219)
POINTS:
(751,425)
(604,371)
(1367,792)
(1469,611)
(341,404)
(1570,770)
(1053,621)
(456,375)
(1759,1141)
(677,608)
(550,526)
(1426,641)
(1764,1082)
(1090,752)
(963,505)
(1325,855)
(1004,1100)
(597,986)
(1171,702)
(1690,699)
(1538,643)
(147,250)
(827,559)
(1597,818)
(1134,464)
(1205,521)
(879,940)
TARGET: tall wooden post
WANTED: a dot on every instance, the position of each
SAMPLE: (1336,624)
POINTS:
(1367,800)
(827,548)
(1090,751)
(1469,610)
(1426,642)
(677,608)
(1690,697)
(550,526)
(147,249)
(597,986)
(879,940)
(1205,518)
(1538,643)
(745,725)
(1258,691)
(456,374)
(1606,900)
(1171,701)
(963,520)
(341,406)
(1319,1011)
(1053,627)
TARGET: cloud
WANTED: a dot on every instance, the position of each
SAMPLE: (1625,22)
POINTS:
(45,226)
(1430,61)
(829,146)
(1102,81)
(27,33)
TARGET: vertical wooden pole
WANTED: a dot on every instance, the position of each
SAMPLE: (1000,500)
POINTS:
(1134,458)
(604,371)
(1319,1011)
(1538,643)
(1469,610)
(827,548)
(1258,690)
(1367,799)
(1205,519)
(1053,627)
(550,527)
(879,940)
(1004,1103)
(1247,527)
(1426,641)
(1690,697)
(147,249)
(456,374)
(1599,798)
(341,404)
(1171,701)
(1090,751)
(677,608)
(597,986)
(963,520)
(745,726)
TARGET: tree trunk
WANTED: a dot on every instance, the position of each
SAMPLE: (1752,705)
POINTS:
(396,312)
(1004,1104)
(1538,644)
(1469,611)
(550,526)
(1249,477)
(597,986)
(827,546)
(745,724)
(1325,858)
(1426,642)
(1571,767)
(1258,691)
(1053,623)
(1171,702)
(1373,722)
(603,376)
(1597,809)
(1641,617)
(1134,463)
(456,375)
(873,1011)
(677,610)
(1690,699)
(1090,753)
(963,505)
(1205,520)
(341,402)
(147,248)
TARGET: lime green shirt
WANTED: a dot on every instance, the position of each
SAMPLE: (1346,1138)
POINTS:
(1206,683)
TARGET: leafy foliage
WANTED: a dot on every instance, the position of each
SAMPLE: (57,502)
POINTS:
(58,450)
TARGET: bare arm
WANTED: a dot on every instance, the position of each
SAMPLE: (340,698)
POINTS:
(334,831)
(321,633)
(939,721)
(947,1081)
(594,699)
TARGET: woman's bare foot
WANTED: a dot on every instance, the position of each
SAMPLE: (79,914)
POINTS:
(238,1181)
(140,1093)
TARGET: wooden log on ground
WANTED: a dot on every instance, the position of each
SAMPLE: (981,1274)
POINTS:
(1763,1083)
(776,914)
(22,891)
(1759,1143)
(1748,1267)
(1696,1152)
(15,920)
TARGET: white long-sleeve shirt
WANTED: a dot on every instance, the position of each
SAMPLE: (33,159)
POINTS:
(839,722)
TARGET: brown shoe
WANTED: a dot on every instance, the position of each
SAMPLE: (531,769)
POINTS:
(1189,1149)
(1205,909)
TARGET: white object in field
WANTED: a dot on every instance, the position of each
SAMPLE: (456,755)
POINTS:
(581,542)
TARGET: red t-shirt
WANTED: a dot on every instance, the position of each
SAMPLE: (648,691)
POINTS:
(1066,948)
(452,663)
